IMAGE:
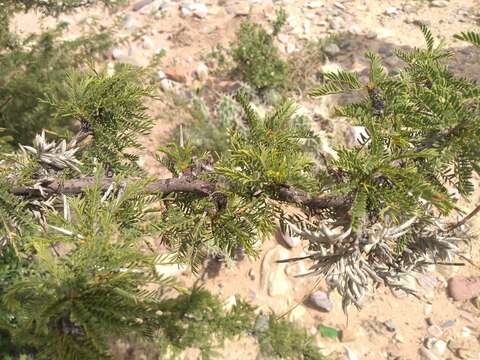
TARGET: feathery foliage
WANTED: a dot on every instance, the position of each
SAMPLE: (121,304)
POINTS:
(199,320)
(284,340)
(421,127)
(253,57)
(112,109)
(87,279)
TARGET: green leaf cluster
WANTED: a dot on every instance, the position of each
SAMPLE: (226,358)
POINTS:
(112,109)
(86,279)
(422,130)
(284,340)
(256,60)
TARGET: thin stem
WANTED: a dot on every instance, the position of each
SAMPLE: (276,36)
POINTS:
(465,219)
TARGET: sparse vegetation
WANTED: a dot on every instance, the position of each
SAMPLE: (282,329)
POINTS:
(80,223)
(199,320)
(284,340)
(304,65)
(253,57)
(35,67)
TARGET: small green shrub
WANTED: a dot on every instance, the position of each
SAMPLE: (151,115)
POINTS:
(198,320)
(253,57)
(257,61)
(285,340)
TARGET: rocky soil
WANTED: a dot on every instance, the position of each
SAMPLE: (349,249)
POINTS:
(391,325)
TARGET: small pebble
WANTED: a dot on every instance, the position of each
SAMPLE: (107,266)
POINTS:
(391,11)
(331,50)
(399,338)
(313,4)
(251,274)
(448,324)
(463,288)
(337,23)
(390,325)
(140,4)
(427,309)
(426,354)
(439,347)
(428,342)
(439,3)
(320,300)
(435,331)
(466,332)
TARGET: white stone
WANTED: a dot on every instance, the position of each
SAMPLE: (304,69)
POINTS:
(283,38)
(117,53)
(307,27)
(399,338)
(167,85)
(391,11)
(439,3)
(160,75)
(200,10)
(427,309)
(169,269)
(230,303)
(337,23)
(466,332)
(314,4)
(354,29)
(184,12)
(350,354)
(439,347)
(201,72)
(331,67)
(251,274)
(321,301)
(147,43)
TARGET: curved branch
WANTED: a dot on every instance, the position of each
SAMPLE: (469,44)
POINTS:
(77,186)
(319,202)
(187,185)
